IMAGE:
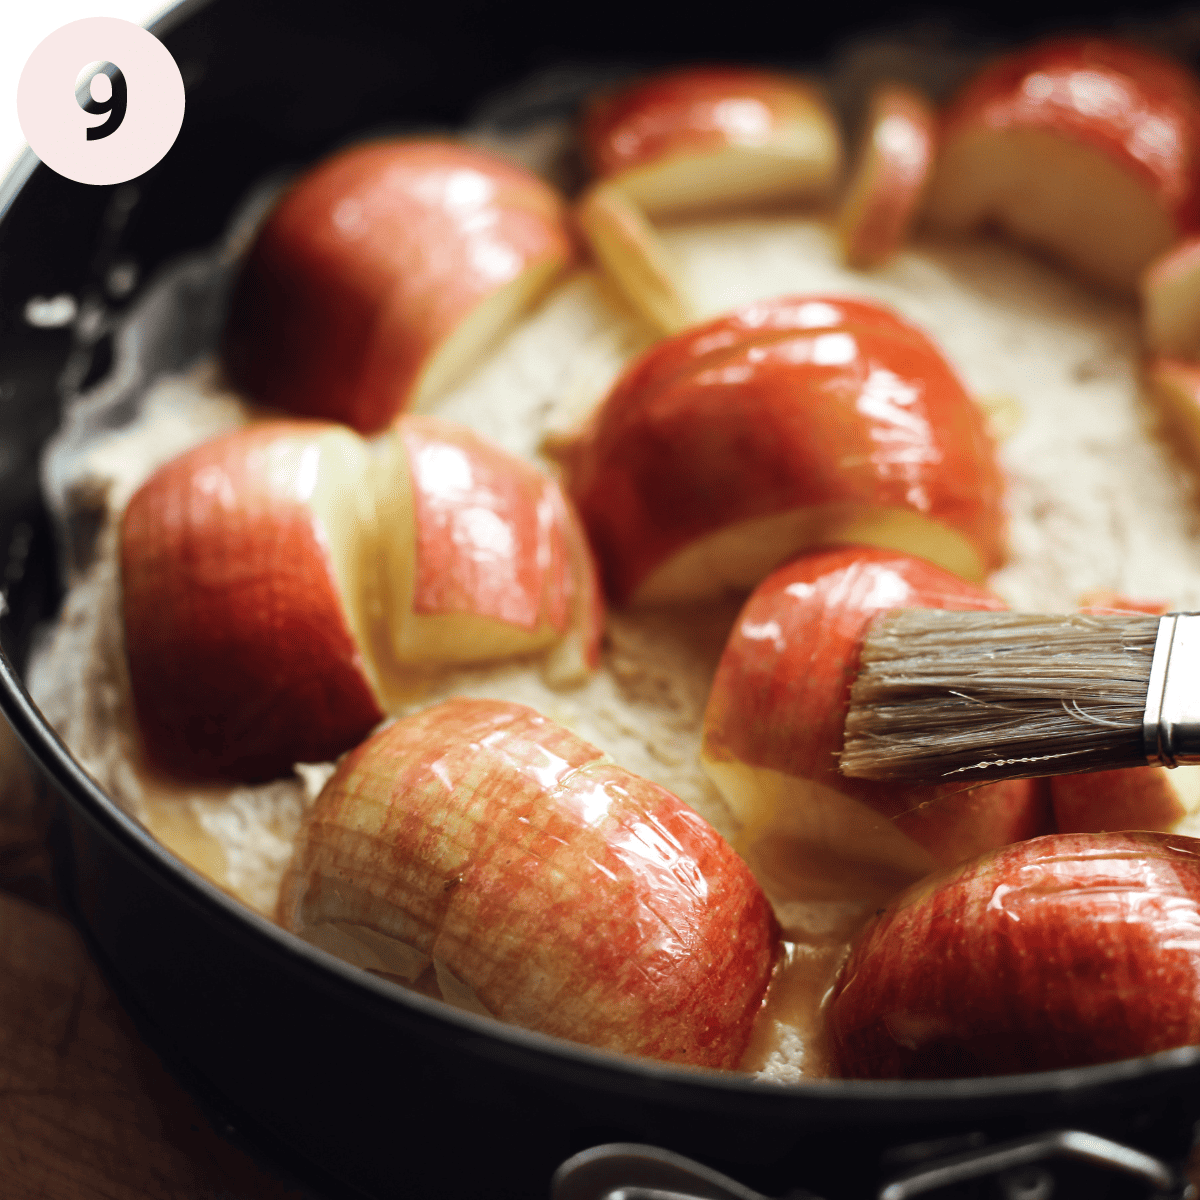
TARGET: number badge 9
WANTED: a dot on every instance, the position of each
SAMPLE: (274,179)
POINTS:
(137,90)
(105,92)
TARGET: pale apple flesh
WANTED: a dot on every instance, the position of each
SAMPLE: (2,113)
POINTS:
(736,558)
(1170,293)
(1067,200)
(567,894)
(1086,149)
(706,139)
(287,584)
(890,177)
(798,421)
(1058,952)
(773,729)
(384,273)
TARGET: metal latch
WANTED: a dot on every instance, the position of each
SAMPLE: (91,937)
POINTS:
(1020,1168)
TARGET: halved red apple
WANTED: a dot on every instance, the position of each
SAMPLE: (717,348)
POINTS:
(1170,291)
(1058,952)
(773,731)
(794,422)
(705,138)
(284,585)
(245,607)
(384,273)
(890,176)
(1085,148)
(558,891)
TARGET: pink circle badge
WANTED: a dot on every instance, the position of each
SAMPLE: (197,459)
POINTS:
(131,115)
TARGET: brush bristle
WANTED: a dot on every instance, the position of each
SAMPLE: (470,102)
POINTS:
(997,695)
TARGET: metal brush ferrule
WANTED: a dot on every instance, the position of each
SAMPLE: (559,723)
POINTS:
(1171,724)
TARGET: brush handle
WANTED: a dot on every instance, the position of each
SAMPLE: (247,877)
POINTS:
(1171,724)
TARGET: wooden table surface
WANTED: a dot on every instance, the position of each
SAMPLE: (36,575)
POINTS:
(86,1108)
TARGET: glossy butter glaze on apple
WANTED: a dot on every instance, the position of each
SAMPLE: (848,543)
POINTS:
(568,894)
(773,730)
(384,272)
(729,448)
(1058,952)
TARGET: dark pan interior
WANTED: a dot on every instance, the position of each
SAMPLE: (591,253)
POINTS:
(407,1098)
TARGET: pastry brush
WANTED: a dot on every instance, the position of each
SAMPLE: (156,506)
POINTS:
(1001,695)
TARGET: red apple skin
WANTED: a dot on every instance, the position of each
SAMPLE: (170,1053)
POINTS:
(782,689)
(741,418)
(370,261)
(584,901)
(241,661)
(1062,951)
(1129,798)
(688,112)
(1139,88)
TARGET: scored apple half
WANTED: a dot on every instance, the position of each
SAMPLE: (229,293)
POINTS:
(1087,149)
(383,275)
(793,422)
(707,138)
(773,731)
(890,176)
(1058,952)
(536,880)
(284,585)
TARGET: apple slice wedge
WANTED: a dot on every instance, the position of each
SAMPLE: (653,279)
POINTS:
(567,894)
(632,254)
(773,730)
(1058,952)
(794,422)
(1172,386)
(890,176)
(285,585)
(384,273)
(702,139)
(1087,149)
(1170,291)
